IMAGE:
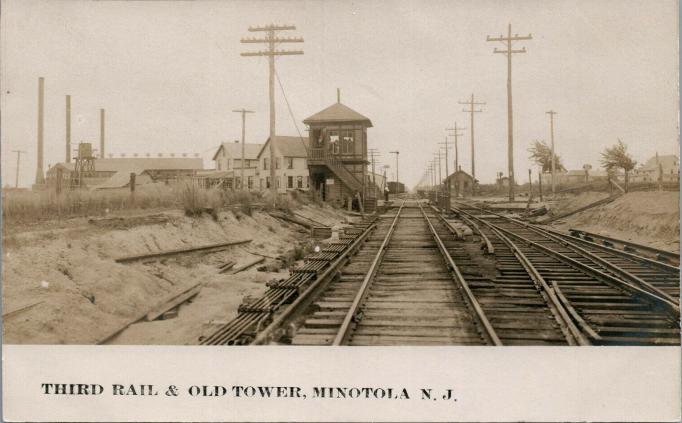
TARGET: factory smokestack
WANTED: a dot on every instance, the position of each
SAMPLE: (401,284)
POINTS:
(40,177)
(68,129)
(101,133)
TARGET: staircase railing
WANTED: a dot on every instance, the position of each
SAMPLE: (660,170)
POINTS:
(337,166)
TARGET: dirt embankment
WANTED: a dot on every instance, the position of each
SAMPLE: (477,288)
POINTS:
(650,218)
(86,295)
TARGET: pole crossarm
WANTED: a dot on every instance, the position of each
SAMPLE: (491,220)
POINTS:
(271,40)
(509,52)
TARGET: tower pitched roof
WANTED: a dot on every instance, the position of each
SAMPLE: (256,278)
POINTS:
(338,112)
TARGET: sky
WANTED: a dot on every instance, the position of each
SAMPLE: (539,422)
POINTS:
(169,75)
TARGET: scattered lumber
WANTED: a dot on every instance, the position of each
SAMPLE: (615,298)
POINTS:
(20,309)
(109,336)
(129,221)
(291,219)
(247,265)
(226,266)
(173,301)
(160,254)
(307,218)
(581,209)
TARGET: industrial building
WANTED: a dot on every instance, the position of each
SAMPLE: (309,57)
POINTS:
(115,172)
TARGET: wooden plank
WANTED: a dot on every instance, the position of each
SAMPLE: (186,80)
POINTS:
(19,310)
(173,302)
(247,265)
(160,254)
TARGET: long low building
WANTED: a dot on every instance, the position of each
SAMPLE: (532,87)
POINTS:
(115,172)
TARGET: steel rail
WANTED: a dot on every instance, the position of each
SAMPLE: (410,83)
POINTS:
(571,332)
(572,240)
(650,297)
(646,260)
(668,254)
(344,331)
(488,329)
(656,293)
(304,298)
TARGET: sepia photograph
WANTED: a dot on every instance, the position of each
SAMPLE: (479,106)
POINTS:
(327,173)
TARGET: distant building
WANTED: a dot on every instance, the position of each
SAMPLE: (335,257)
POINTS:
(461,183)
(337,157)
(228,158)
(582,176)
(668,167)
(115,172)
(291,167)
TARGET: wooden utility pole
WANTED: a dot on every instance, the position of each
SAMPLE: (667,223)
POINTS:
(271,40)
(244,112)
(440,176)
(472,110)
(540,183)
(510,126)
(40,178)
(101,133)
(373,152)
(456,134)
(19,153)
(551,114)
(68,129)
(447,172)
(397,180)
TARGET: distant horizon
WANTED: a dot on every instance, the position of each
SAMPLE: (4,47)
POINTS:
(169,75)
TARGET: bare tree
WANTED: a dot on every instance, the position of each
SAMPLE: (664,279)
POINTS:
(541,154)
(617,157)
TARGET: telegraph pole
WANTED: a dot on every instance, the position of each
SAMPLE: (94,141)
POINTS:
(271,40)
(244,112)
(510,126)
(373,152)
(447,172)
(551,114)
(440,176)
(456,134)
(19,153)
(397,153)
(472,110)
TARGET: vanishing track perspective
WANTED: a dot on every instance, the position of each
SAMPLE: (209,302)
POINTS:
(417,276)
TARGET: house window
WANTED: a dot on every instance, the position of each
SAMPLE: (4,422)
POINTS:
(278,161)
(229,163)
(347,142)
(299,181)
(334,142)
(250,182)
(237,162)
(277,181)
(265,163)
(290,181)
(238,183)
(290,162)
(267,182)
(217,165)
(261,183)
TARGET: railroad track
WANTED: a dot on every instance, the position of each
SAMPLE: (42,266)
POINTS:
(611,296)
(402,290)
(409,278)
